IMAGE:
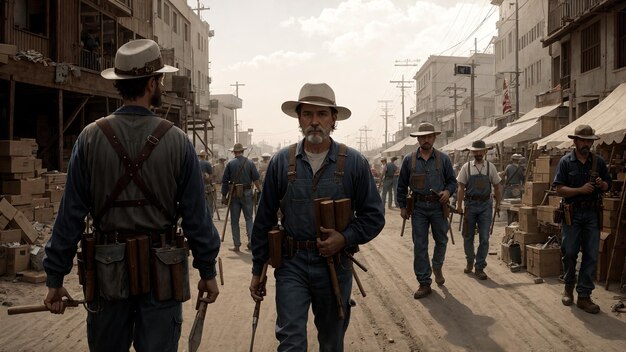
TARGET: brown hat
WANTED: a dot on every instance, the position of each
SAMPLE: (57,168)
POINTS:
(584,132)
(479,145)
(238,147)
(319,94)
(136,59)
(425,129)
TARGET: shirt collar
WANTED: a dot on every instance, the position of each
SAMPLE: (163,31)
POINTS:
(133,110)
(419,156)
(332,152)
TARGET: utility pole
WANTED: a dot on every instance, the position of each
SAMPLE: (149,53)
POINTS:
(516,60)
(472,94)
(386,116)
(200,8)
(237,85)
(455,96)
(405,62)
(365,130)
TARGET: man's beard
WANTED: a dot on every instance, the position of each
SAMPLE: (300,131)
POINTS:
(478,158)
(584,150)
(315,138)
(155,99)
(426,146)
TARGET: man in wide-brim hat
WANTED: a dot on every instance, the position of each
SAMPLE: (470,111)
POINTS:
(428,174)
(316,167)
(240,176)
(513,177)
(581,179)
(135,174)
(478,182)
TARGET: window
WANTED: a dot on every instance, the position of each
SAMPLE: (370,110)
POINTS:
(199,79)
(166,13)
(159,9)
(556,72)
(31,16)
(590,47)
(188,73)
(174,22)
(186,32)
(620,39)
(510,42)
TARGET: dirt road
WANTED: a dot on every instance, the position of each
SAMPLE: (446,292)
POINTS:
(506,313)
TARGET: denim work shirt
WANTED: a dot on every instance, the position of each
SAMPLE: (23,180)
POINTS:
(572,173)
(439,181)
(236,173)
(358,185)
(172,172)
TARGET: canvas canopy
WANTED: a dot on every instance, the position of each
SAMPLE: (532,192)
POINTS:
(465,141)
(608,119)
(527,128)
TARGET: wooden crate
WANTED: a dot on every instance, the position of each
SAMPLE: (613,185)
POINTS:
(533,192)
(543,262)
(524,238)
(545,213)
(528,219)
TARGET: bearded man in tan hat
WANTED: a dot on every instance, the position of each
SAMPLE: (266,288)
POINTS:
(581,178)
(240,175)
(476,180)
(427,173)
(134,173)
(315,167)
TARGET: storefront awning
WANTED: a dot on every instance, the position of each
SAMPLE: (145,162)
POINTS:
(608,119)
(527,128)
(466,141)
(401,147)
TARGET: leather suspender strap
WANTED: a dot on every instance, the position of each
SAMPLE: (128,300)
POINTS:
(341,160)
(291,171)
(132,169)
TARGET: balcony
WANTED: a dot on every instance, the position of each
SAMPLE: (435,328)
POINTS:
(121,8)
(25,40)
(564,15)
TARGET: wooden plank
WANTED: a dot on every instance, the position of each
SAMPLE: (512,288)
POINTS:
(60,127)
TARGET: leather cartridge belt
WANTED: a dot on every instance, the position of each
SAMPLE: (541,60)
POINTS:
(425,197)
(481,198)
(114,237)
(247,186)
(585,204)
(294,245)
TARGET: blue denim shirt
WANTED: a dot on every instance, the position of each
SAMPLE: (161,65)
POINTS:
(205,166)
(358,185)
(236,173)
(572,173)
(446,180)
(77,199)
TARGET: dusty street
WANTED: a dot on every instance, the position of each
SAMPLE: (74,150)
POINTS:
(506,313)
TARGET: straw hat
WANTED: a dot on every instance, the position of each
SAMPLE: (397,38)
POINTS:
(136,59)
(318,94)
(238,147)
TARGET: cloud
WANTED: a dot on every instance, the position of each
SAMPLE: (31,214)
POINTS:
(279,58)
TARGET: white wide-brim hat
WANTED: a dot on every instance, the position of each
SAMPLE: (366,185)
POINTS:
(318,94)
(136,59)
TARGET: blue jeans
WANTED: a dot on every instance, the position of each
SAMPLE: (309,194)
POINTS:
(425,215)
(236,205)
(388,192)
(395,191)
(478,213)
(142,321)
(304,281)
(582,233)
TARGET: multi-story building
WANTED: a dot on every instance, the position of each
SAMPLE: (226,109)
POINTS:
(55,87)
(223,108)
(587,39)
(534,62)
(436,84)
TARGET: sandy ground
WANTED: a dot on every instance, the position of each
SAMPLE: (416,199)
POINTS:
(508,312)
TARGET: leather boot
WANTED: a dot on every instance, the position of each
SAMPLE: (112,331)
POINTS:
(568,295)
(469,267)
(439,279)
(422,291)
(234,249)
(586,304)
(480,274)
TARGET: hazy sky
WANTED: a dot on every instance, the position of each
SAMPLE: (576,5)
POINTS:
(275,46)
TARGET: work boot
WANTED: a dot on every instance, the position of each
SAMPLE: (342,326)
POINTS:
(480,274)
(469,267)
(568,295)
(439,279)
(586,304)
(422,291)
(234,249)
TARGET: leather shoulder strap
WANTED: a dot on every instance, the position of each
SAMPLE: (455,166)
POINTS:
(341,160)
(132,169)
(413,162)
(291,171)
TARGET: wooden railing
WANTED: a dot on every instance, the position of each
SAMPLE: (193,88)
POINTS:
(560,13)
(29,41)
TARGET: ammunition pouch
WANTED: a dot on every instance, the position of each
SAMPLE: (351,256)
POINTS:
(275,238)
(418,181)
(171,274)
(238,190)
(111,271)
(558,215)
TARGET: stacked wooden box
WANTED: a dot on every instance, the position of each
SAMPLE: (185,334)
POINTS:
(21,183)
(545,168)
(55,184)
